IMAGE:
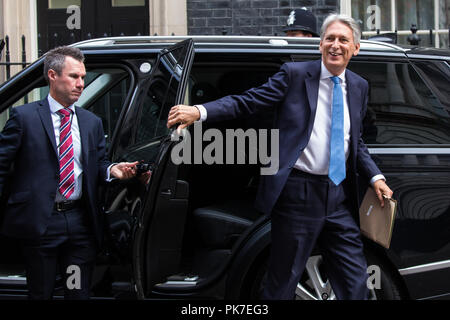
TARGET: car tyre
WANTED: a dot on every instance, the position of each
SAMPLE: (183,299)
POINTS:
(315,286)
(389,287)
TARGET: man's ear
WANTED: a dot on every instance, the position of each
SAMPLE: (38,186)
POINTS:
(355,53)
(51,74)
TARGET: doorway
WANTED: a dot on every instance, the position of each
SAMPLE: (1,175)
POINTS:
(63,22)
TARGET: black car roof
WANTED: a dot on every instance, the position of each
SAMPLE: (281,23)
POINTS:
(252,43)
(244,42)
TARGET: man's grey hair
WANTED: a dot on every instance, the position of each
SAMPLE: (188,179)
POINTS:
(348,21)
(55,58)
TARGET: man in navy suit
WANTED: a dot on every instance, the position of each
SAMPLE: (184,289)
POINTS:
(57,152)
(313,198)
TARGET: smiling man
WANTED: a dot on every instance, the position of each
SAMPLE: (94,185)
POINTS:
(313,198)
(57,152)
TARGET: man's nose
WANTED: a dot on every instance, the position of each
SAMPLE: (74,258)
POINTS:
(80,83)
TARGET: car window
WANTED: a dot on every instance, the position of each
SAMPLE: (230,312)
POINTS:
(155,108)
(34,95)
(105,92)
(402,108)
(437,75)
(160,96)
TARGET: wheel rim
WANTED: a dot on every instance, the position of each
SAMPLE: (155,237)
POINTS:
(315,285)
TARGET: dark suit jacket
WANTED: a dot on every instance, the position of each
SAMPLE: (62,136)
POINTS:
(28,142)
(294,93)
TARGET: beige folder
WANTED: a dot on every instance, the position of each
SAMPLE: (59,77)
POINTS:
(377,223)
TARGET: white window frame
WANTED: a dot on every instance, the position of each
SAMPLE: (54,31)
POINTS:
(346,9)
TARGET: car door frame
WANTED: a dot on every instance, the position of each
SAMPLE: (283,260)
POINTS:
(164,190)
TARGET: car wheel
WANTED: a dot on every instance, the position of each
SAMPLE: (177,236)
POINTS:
(387,286)
(314,284)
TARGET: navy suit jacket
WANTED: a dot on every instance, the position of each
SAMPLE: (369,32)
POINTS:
(28,143)
(293,91)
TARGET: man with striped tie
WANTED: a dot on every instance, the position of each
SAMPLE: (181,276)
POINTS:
(58,154)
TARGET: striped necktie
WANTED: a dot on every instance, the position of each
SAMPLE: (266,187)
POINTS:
(66,158)
(336,171)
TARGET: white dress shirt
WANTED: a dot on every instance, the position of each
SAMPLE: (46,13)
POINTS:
(76,141)
(315,158)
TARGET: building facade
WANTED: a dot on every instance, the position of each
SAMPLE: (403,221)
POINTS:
(267,17)
(250,17)
(45,24)
(431,17)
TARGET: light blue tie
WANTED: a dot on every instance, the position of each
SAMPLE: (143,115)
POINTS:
(336,171)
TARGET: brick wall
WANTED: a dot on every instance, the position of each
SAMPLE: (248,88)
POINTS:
(249,17)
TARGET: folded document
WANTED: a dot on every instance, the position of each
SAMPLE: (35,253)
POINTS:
(377,223)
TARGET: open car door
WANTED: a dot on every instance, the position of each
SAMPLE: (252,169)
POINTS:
(158,210)
(159,238)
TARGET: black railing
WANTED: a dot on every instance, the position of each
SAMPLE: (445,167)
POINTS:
(412,39)
(5,44)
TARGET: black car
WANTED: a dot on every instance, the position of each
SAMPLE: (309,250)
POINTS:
(192,232)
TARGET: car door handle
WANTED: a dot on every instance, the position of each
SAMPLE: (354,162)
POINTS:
(166,192)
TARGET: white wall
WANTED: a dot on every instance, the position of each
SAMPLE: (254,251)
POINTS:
(167,17)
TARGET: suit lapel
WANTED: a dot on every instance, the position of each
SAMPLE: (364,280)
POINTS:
(46,118)
(354,102)
(312,86)
(83,126)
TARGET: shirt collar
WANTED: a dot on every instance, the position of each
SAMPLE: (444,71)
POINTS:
(324,73)
(55,106)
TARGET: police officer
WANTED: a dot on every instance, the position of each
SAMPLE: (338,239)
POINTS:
(301,23)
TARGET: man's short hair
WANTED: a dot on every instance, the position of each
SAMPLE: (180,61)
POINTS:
(348,21)
(54,59)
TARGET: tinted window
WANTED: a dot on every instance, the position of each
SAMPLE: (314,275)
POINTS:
(153,117)
(36,94)
(402,109)
(437,76)
(160,96)
(104,94)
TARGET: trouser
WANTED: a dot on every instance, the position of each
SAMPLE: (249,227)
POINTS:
(68,246)
(312,210)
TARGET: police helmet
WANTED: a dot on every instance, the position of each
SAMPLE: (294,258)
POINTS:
(302,20)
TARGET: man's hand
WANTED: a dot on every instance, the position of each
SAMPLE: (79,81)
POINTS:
(124,170)
(184,115)
(145,177)
(381,189)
